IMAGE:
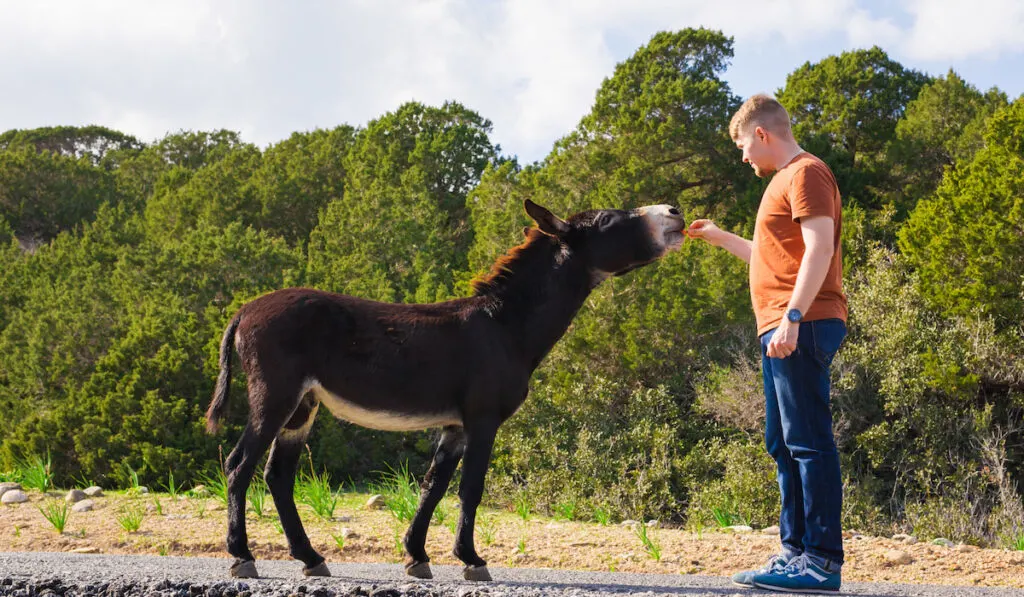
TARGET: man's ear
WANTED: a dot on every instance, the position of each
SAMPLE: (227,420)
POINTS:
(548,222)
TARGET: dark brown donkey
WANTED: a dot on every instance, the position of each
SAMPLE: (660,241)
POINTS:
(461,365)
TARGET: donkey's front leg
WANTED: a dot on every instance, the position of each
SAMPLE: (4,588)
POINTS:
(449,451)
(479,442)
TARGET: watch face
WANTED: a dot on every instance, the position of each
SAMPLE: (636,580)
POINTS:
(793,315)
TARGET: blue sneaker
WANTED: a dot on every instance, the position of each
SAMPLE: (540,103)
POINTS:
(746,578)
(800,575)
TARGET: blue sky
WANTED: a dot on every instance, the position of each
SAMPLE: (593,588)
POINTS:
(267,68)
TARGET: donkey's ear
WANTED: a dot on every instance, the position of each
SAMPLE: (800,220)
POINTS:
(548,222)
(526,231)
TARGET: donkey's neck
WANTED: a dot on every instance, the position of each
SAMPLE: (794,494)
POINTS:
(537,296)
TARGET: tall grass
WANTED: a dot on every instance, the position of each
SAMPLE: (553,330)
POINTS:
(650,545)
(216,484)
(315,491)
(173,489)
(400,491)
(257,495)
(131,516)
(56,512)
(36,473)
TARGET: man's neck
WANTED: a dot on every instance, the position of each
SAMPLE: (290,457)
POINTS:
(788,153)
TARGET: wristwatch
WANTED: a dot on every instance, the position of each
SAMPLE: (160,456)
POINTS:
(794,315)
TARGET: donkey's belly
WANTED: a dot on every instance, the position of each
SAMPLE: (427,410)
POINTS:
(386,420)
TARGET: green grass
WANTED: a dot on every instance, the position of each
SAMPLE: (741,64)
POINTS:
(486,527)
(217,485)
(173,489)
(1017,543)
(602,516)
(400,491)
(257,495)
(158,506)
(56,512)
(650,545)
(566,509)
(315,491)
(133,478)
(339,540)
(131,516)
(725,517)
(524,507)
(36,473)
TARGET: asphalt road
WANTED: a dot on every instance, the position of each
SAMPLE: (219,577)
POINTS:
(38,574)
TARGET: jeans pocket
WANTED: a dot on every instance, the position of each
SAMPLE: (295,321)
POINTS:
(828,336)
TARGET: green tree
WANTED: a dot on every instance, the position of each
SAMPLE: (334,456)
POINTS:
(845,109)
(92,142)
(966,240)
(942,127)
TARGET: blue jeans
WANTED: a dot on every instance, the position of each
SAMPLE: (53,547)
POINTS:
(798,435)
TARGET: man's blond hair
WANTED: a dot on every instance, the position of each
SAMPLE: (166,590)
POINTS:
(760,110)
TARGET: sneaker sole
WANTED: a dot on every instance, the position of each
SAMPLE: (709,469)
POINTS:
(794,590)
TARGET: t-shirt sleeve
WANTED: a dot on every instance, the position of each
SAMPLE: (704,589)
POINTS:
(812,192)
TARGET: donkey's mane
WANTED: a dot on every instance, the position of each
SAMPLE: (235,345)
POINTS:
(515,259)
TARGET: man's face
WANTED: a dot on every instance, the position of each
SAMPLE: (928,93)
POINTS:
(754,145)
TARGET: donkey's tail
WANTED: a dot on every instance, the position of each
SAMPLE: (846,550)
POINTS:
(220,395)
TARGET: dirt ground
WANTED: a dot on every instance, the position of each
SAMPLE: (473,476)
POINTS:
(185,526)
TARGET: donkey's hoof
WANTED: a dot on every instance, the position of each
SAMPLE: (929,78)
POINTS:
(478,573)
(320,569)
(419,570)
(244,569)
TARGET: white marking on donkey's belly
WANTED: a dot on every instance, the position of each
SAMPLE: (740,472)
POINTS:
(379,419)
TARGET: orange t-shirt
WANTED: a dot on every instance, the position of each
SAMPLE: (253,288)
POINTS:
(802,188)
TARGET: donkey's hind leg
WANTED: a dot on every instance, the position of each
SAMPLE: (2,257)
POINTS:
(449,451)
(239,468)
(280,476)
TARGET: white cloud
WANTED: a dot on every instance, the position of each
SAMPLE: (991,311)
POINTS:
(269,68)
(955,29)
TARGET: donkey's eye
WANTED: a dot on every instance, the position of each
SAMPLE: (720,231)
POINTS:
(604,220)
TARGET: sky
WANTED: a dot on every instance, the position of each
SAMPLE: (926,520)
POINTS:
(267,68)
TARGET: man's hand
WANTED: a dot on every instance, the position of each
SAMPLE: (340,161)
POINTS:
(783,342)
(704,229)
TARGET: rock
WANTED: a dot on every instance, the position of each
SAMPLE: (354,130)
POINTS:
(8,486)
(897,557)
(740,529)
(629,523)
(200,491)
(772,530)
(653,524)
(905,539)
(943,542)
(14,496)
(74,496)
(342,519)
(94,491)
(347,533)
(86,550)
(964,548)
(83,506)
(376,502)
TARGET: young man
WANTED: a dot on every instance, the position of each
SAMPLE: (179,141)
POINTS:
(796,290)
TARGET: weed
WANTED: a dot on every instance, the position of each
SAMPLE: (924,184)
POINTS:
(173,489)
(200,509)
(17,531)
(130,517)
(521,545)
(725,517)
(523,506)
(566,509)
(133,478)
(278,527)
(257,495)
(602,516)
(158,507)
(487,527)
(339,540)
(56,512)
(1017,543)
(650,545)
(400,491)
(37,473)
(217,485)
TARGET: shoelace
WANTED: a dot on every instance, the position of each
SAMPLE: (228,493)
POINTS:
(773,562)
(797,565)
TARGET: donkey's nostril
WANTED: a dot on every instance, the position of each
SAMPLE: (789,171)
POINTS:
(673,211)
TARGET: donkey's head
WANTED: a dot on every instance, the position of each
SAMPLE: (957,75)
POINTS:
(613,241)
